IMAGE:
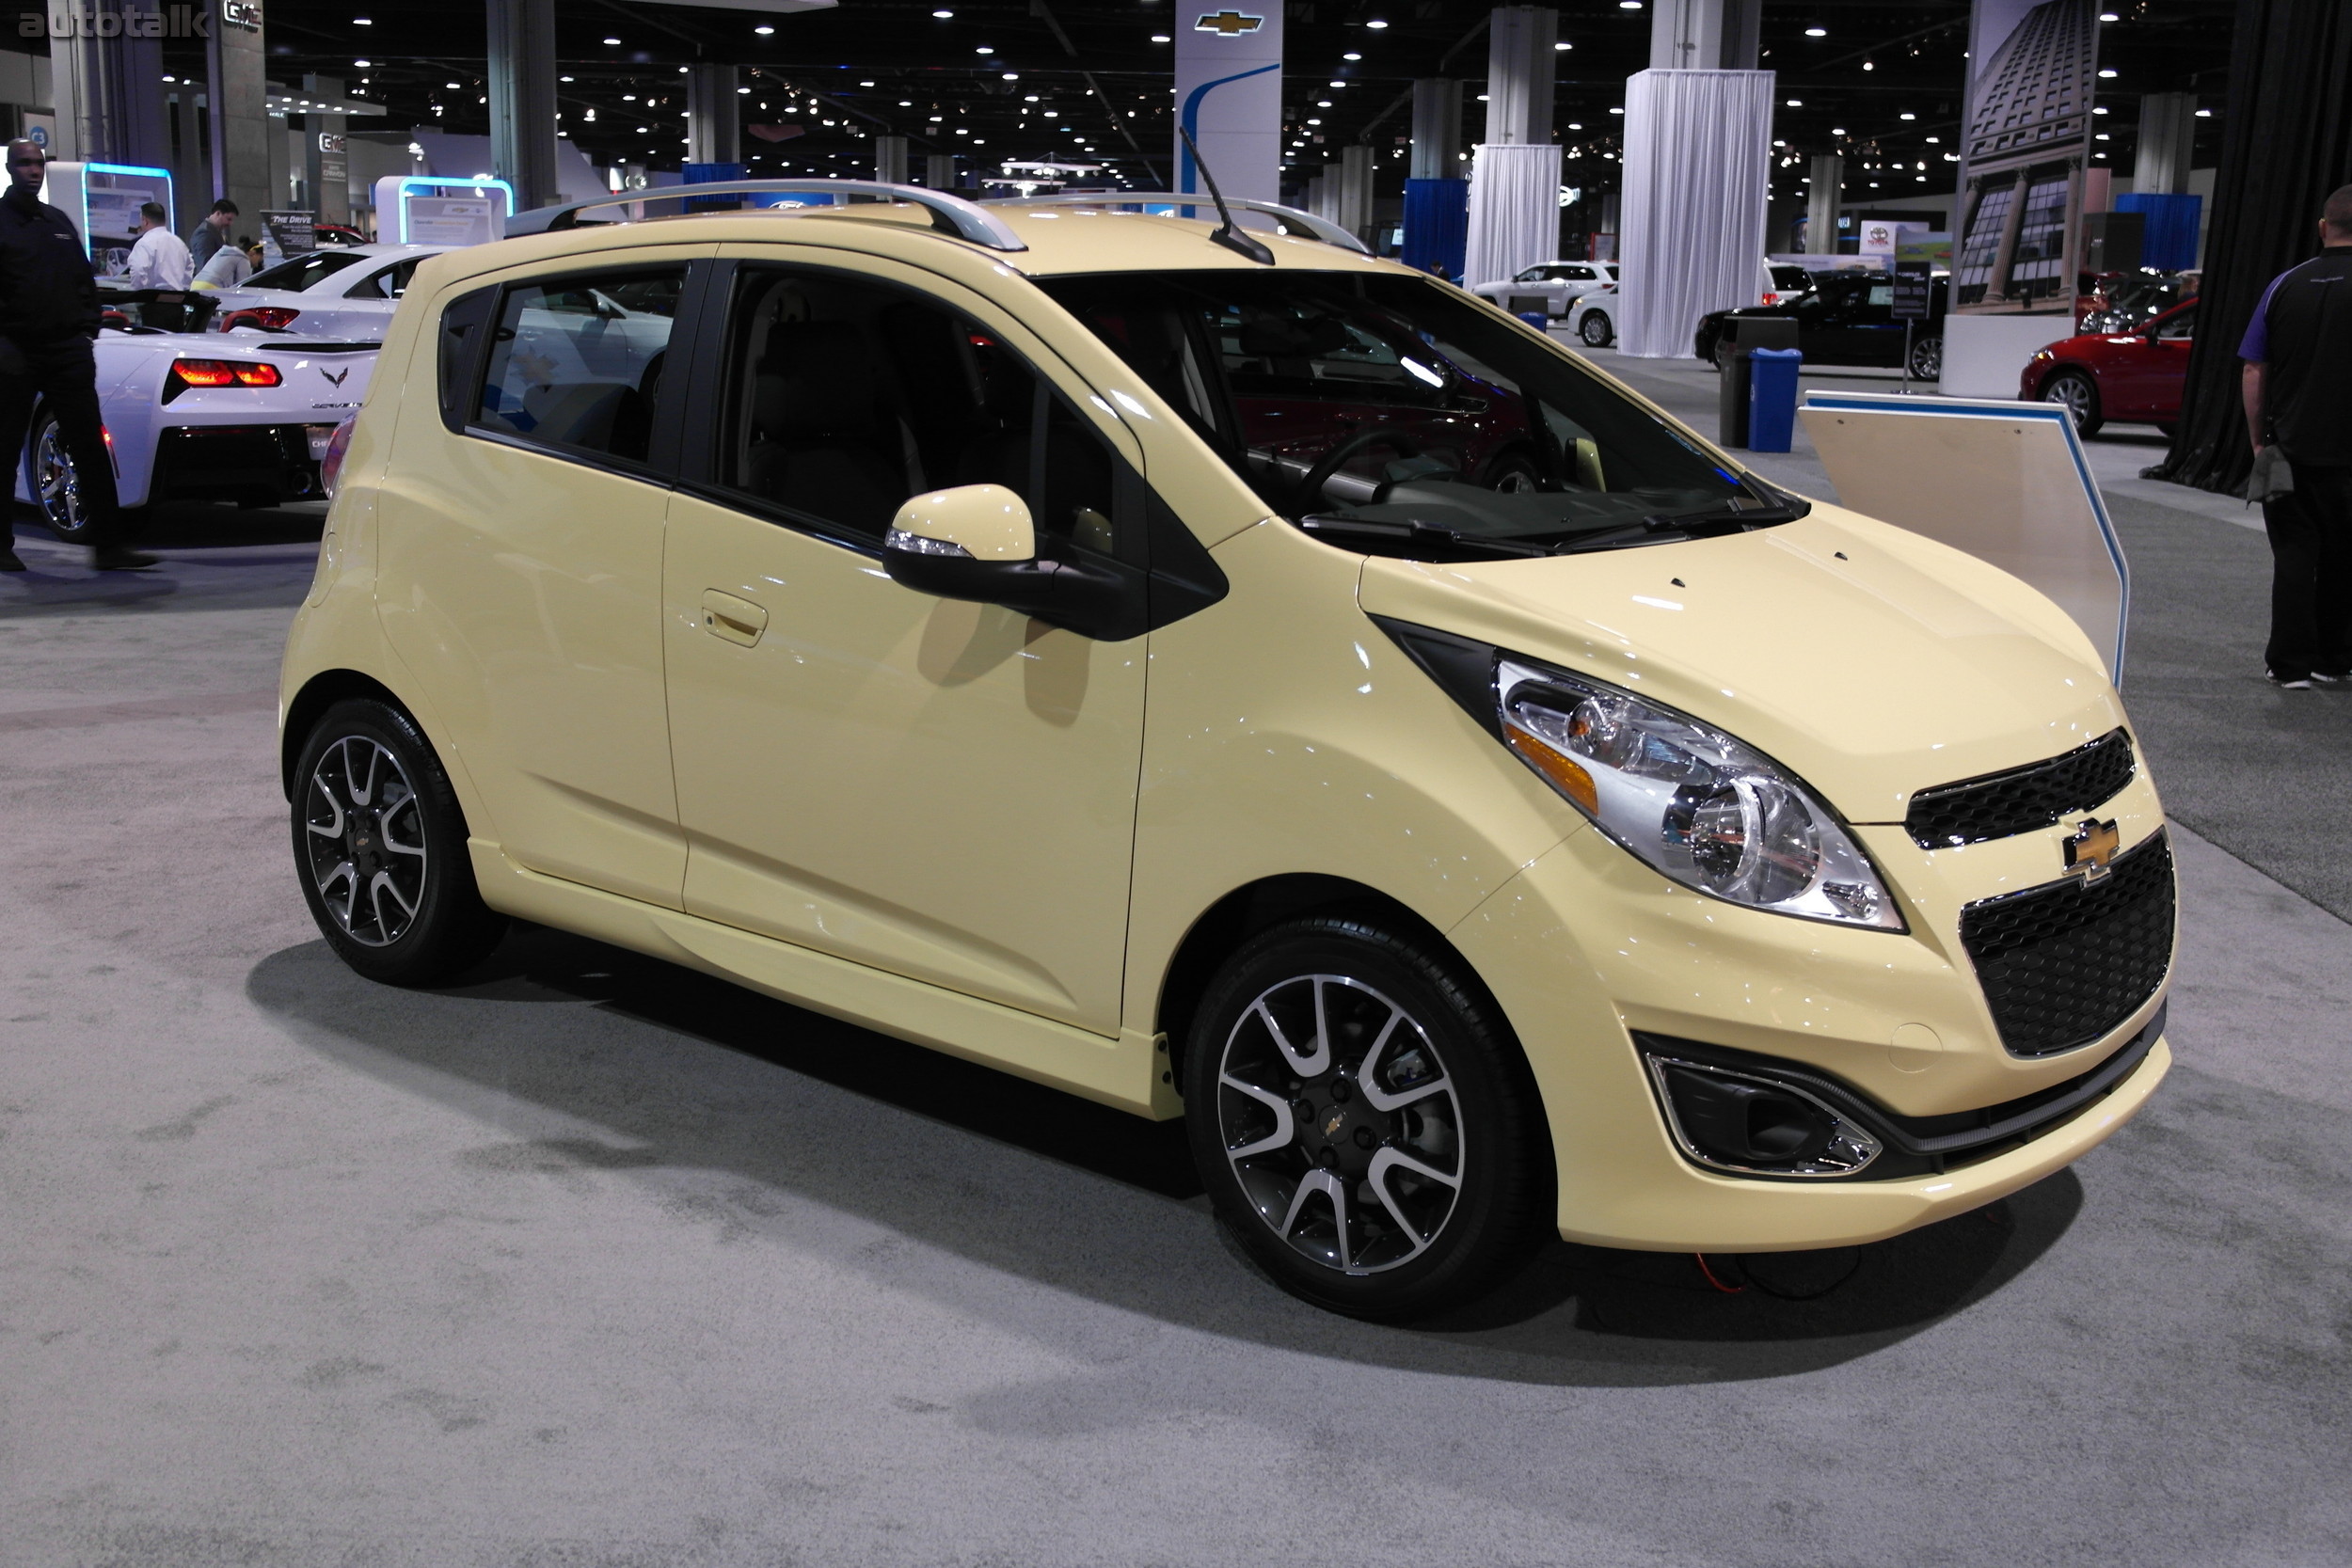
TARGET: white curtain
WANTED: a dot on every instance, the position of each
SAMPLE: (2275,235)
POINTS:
(1697,172)
(1513,210)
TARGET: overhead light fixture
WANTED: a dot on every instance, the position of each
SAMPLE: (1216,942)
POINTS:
(763,29)
(612,40)
(355,62)
(1792,104)
(1351,55)
(2204,114)
(1906,117)
(2106,75)
(983,49)
(1376,25)
(1817,32)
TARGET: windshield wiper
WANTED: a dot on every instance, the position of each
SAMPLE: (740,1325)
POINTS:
(1666,528)
(1357,532)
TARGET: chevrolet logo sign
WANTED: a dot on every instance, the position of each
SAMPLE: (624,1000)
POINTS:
(1228,22)
(2092,849)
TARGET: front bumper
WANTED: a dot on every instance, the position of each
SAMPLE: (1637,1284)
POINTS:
(1586,949)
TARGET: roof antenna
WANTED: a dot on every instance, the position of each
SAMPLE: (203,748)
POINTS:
(1227,235)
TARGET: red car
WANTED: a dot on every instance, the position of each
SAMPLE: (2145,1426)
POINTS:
(2112,376)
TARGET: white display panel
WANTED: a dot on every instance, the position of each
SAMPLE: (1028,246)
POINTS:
(419,209)
(2005,481)
(103,201)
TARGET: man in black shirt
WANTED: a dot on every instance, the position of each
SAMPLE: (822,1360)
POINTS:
(48,315)
(2297,389)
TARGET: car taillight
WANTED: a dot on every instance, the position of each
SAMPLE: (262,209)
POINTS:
(331,462)
(269,318)
(224,373)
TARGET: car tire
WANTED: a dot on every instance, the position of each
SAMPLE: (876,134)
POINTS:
(1597,330)
(2079,396)
(379,842)
(1389,1203)
(1512,471)
(1926,359)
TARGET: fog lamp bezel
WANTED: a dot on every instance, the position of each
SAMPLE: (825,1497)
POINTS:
(1861,1138)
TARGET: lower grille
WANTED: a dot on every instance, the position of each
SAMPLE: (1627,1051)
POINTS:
(2065,964)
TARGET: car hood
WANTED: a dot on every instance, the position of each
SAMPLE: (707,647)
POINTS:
(1873,661)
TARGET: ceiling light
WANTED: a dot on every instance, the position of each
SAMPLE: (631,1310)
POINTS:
(1574,125)
(2109,16)
(983,49)
(745,91)
(1562,48)
(1793,104)
(1617,111)
(449,84)
(612,40)
(2204,114)
(1376,25)
(943,15)
(355,62)
(2107,75)
(1817,32)
(1351,55)
(1906,117)
(1159,38)
(1010,76)
(763,29)
(362,21)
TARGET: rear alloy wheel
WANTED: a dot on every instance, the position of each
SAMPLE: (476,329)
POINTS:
(1595,330)
(56,485)
(2076,392)
(380,844)
(1926,359)
(1364,1121)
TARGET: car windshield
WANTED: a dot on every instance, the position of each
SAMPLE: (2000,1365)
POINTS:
(1373,404)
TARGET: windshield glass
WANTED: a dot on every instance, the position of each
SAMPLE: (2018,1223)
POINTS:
(1370,398)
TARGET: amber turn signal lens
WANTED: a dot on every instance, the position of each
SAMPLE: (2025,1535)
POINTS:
(1566,772)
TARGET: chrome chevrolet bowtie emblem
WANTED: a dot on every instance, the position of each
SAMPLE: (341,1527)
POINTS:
(2092,849)
(1228,22)
(1332,1127)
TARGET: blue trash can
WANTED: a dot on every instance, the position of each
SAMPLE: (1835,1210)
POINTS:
(1773,398)
(1536,319)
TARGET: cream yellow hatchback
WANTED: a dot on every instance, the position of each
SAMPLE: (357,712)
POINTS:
(1221,674)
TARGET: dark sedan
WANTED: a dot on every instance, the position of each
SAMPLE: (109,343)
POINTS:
(1847,318)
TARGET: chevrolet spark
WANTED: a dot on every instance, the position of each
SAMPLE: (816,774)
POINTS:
(909,609)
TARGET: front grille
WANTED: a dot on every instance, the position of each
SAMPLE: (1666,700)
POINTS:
(2065,963)
(2022,800)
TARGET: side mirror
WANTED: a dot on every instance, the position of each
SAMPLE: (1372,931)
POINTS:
(977,542)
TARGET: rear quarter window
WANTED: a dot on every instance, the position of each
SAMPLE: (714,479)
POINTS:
(463,323)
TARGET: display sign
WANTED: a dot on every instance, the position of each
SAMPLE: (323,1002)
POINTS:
(2032,69)
(288,233)
(422,209)
(1912,289)
(2005,481)
(103,201)
(1228,96)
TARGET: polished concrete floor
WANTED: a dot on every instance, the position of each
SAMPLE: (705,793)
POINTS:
(591,1261)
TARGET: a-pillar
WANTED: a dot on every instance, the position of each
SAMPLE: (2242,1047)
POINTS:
(2168,130)
(1820,203)
(713,123)
(1354,191)
(1515,179)
(109,93)
(1705,35)
(890,160)
(1436,197)
(939,170)
(522,98)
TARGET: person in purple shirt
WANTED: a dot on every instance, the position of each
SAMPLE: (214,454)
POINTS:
(2297,385)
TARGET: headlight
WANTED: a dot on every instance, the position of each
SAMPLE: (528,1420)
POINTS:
(1692,802)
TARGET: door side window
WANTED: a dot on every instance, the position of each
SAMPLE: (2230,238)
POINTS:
(301,272)
(574,368)
(844,398)
(2181,326)
(390,283)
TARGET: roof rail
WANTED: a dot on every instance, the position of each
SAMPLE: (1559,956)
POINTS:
(1289,220)
(950,213)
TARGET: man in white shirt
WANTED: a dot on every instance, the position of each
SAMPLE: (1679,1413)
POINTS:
(160,259)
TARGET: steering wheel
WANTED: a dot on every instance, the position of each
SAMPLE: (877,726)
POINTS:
(1310,487)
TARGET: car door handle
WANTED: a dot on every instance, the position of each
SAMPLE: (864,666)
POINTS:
(733,620)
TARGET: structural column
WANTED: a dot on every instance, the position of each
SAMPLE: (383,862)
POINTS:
(890,160)
(236,96)
(325,164)
(1705,35)
(939,170)
(522,98)
(2168,130)
(109,91)
(1820,203)
(1514,181)
(1437,196)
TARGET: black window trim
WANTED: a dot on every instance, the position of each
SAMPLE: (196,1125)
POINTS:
(661,464)
(1166,570)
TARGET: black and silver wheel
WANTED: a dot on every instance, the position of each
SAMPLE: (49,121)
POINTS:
(380,845)
(1596,329)
(1512,472)
(2080,397)
(1926,359)
(1364,1120)
(56,483)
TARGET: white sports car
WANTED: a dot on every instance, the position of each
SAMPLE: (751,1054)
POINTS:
(346,291)
(204,416)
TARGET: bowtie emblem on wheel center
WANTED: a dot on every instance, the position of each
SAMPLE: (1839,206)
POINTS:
(2092,852)
(1332,1123)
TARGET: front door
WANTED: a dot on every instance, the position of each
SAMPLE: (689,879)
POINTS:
(940,789)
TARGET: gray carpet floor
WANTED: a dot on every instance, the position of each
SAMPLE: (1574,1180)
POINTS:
(591,1261)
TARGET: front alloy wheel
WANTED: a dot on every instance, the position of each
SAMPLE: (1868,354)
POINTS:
(1596,329)
(1341,1123)
(1364,1120)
